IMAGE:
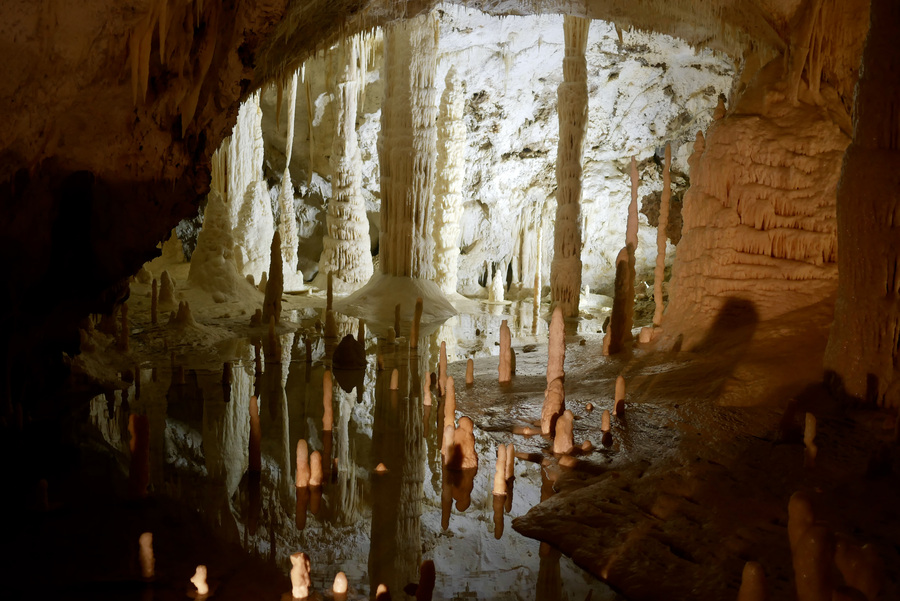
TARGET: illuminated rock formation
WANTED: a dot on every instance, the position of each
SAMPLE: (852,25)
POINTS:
(199,581)
(347,248)
(565,269)
(300,579)
(451,168)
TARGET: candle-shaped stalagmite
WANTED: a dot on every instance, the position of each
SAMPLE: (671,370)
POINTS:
(255,437)
(604,421)
(395,379)
(505,367)
(145,555)
(813,561)
(426,394)
(659,272)
(499,502)
(447,442)
(417,322)
(563,440)
(303,469)
(619,407)
(450,402)
(340,585)
(315,469)
(470,372)
(199,581)
(442,369)
(327,401)
(275,285)
(809,441)
(300,580)
(500,471)
(753,579)
(556,348)
(154,301)
(554,405)
(510,461)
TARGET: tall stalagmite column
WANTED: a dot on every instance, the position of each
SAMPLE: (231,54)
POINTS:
(451,170)
(287,221)
(863,354)
(407,147)
(565,269)
(347,246)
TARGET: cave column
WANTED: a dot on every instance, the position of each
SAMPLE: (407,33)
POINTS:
(407,147)
(565,269)
(347,246)
(451,170)
(287,221)
(863,353)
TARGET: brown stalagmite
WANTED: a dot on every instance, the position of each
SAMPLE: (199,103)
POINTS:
(146,557)
(604,421)
(154,302)
(659,273)
(275,285)
(500,471)
(800,517)
(556,351)
(572,106)
(426,395)
(395,379)
(619,329)
(329,292)
(510,461)
(505,367)
(255,437)
(554,405)
(753,583)
(315,469)
(813,558)
(563,439)
(416,323)
(327,400)
(619,406)
(470,372)
(442,369)
(463,455)
(302,475)
(450,402)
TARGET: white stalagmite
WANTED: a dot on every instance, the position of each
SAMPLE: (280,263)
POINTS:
(407,147)
(451,170)
(565,269)
(212,265)
(347,246)
(659,273)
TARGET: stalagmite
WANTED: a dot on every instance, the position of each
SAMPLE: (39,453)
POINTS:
(199,581)
(382,593)
(510,461)
(505,367)
(462,454)
(809,436)
(145,555)
(327,401)
(407,146)
(623,301)
(395,379)
(447,442)
(449,401)
(861,567)
(470,372)
(500,471)
(753,583)
(303,469)
(604,421)
(619,406)
(166,291)
(315,469)
(426,395)
(347,247)
(287,221)
(263,282)
(154,302)
(300,580)
(275,285)
(565,269)
(563,440)
(497,288)
(184,317)
(340,584)
(659,274)
(554,405)
(255,438)
(813,558)
(416,323)
(448,185)
(800,517)
(381,468)
(556,350)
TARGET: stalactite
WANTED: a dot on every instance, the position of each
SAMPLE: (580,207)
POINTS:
(448,185)
(565,269)
(346,251)
(659,273)
(407,147)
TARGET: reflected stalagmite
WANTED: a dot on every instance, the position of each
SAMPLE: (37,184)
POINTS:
(604,421)
(199,581)
(510,469)
(427,577)
(462,454)
(166,292)
(315,469)
(563,441)
(500,472)
(395,379)
(442,369)
(303,468)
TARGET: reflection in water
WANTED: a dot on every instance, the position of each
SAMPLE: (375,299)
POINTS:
(377,528)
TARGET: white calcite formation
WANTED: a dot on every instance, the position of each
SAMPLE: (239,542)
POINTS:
(451,170)
(287,218)
(759,235)
(565,269)
(407,147)
(347,247)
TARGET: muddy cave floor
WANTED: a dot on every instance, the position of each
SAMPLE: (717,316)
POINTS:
(693,481)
